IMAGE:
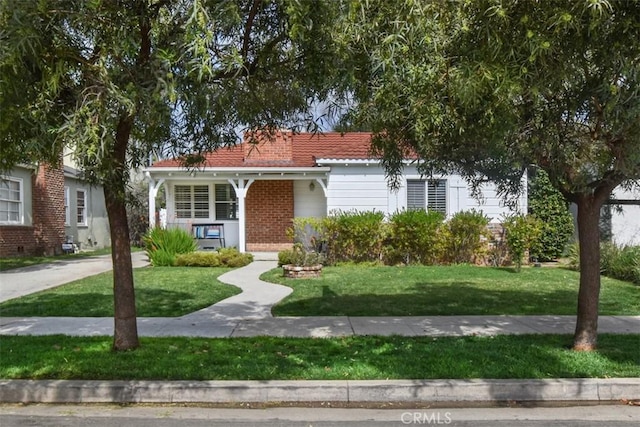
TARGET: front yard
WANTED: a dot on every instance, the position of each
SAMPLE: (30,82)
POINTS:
(345,290)
(350,290)
(160,292)
(354,290)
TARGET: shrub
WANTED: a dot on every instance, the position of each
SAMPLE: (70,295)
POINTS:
(466,237)
(299,256)
(548,205)
(224,257)
(308,232)
(354,236)
(161,258)
(163,245)
(415,237)
(520,232)
(231,257)
(618,262)
(198,259)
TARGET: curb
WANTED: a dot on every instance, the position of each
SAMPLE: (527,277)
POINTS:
(345,392)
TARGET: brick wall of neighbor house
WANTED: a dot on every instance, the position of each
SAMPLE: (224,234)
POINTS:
(269,212)
(276,148)
(46,234)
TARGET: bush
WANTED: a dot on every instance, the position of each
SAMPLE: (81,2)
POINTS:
(548,205)
(520,232)
(224,257)
(163,245)
(231,257)
(198,259)
(415,237)
(617,262)
(466,237)
(308,232)
(354,236)
(299,256)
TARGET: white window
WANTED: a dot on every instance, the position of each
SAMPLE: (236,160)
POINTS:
(226,202)
(192,201)
(67,209)
(81,207)
(430,194)
(10,201)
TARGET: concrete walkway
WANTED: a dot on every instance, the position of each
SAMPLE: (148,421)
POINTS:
(249,314)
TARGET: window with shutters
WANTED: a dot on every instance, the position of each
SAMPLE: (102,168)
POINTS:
(437,195)
(191,201)
(10,201)
(430,194)
(415,194)
(226,202)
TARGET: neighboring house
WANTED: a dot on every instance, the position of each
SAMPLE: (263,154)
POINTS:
(254,191)
(42,207)
(86,222)
(625,216)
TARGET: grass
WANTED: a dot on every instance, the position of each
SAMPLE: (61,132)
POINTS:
(353,290)
(356,358)
(160,292)
(19,262)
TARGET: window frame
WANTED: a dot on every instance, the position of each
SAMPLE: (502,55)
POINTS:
(9,201)
(230,201)
(67,205)
(82,220)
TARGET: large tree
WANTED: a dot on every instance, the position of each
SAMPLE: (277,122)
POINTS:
(486,88)
(116,80)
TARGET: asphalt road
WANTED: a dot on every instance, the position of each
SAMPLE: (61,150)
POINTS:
(166,416)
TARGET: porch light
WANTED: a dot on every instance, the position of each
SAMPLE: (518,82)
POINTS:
(312,186)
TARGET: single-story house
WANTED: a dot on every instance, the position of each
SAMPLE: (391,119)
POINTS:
(247,195)
(43,207)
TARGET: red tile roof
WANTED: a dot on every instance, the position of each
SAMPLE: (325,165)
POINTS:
(306,149)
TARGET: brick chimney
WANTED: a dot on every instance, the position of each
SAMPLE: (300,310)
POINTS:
(268,146)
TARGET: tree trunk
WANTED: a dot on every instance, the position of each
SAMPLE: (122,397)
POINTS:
(586,334)
(125,326)
(124,301)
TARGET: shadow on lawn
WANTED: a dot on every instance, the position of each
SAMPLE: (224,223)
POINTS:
(149,302)
(428,299)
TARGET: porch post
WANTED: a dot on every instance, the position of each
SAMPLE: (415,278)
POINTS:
(152,201)
(241,188)
(153,192)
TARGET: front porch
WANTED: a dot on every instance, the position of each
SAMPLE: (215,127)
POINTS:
(254,210)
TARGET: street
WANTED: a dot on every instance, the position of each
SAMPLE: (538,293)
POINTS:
(165,416)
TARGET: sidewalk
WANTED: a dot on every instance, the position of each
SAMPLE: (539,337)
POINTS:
(248,314)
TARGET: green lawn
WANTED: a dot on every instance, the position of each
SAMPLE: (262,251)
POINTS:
(357,358)
(353,290)
(160,292)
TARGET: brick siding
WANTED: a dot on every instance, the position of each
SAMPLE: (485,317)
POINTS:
(269,213)
(46,234)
